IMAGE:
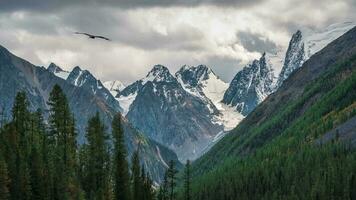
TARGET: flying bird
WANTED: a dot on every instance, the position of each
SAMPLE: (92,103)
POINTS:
(93,36)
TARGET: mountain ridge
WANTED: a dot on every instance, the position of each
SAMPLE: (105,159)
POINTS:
(17,74)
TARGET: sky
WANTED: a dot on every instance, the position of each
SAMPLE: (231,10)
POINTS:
(223,34)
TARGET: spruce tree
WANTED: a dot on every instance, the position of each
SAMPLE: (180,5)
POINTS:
(4,180)
(20,187)
(171,173)
(136,179)
(121,170)
(63,139)
(98,166)
(164,187)
(36,161)
(149,193)
(187,180)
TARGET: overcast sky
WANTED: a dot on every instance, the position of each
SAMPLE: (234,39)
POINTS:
(223,34)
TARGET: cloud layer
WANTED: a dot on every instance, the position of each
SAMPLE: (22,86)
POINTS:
(225,34)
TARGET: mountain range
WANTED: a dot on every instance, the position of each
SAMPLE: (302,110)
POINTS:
(86,96)
(152,103)
(296,143)
(176,116)
(257,79)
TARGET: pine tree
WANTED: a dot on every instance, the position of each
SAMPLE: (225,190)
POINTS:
(36,174)
(121,170)
(187,180)
(4,180)
(149,193)
(20,187)
(63,139)
(36,161)
(143,183)
(98,166)
(163,193)
(171,173)
(136,179)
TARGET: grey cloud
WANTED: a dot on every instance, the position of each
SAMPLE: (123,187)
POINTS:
(50,5)
(225,67)
(256,42)
(104,21)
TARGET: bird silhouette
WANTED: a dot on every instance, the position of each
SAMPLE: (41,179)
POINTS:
(93,36)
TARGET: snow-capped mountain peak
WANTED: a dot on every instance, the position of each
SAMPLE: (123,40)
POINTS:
(305,43)
(78,76)
(202,82)
(59,72)
(251,85)
(315,40)
(193,75)
(114,86)
(157,74)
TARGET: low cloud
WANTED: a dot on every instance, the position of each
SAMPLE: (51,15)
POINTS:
(256,42)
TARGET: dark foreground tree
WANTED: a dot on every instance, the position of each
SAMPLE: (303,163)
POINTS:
(97,184)
(135,177)
(120,165)
(43,162)
(163,189)
(187,181)
(171,173)
(4,180)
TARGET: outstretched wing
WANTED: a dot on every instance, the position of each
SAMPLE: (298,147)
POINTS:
(87,34)
(102,37)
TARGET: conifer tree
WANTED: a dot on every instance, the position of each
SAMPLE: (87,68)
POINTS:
(4,180)
(136,179)
(171,173)
(36,161)
(187,180)
(121,170)
(149,193)
(63,138)
(20,187)
(98,166)
(163,190)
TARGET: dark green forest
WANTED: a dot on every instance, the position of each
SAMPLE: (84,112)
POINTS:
(286,157)
(41,160)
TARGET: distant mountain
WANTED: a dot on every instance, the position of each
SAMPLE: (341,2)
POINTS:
(86,96)
(250,86)
(114,87)
(305,44)
(302,128)
(202,82)
(58,71)
(160,107)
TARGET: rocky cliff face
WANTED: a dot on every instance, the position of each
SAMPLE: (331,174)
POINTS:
(160,107)
(250,86)
(294,57)
(304,44)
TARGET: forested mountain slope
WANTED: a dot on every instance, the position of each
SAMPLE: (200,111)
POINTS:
(276,151)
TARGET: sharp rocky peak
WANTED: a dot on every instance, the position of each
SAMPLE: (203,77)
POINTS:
(159,73)
(250,86)
(193,75)
(54,68)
